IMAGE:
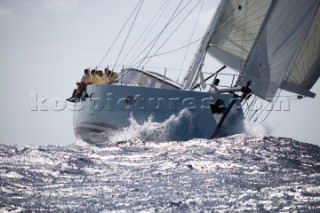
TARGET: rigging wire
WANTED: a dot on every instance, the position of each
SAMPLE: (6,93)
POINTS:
(173,16)
(273,103)
(191,37)
(116,38)
(174,50)
(154,41)
(195,56)
(159,15)
(250,107)
(129,32)
(179,25)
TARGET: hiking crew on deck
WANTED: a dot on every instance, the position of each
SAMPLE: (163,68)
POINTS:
(93,77)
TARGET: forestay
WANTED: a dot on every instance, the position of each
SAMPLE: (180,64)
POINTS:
(275,43)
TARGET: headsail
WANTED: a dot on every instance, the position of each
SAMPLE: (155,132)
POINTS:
(237,29)
(304,70)
(275,43)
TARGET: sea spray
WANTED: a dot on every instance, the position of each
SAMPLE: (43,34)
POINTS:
(180,127)
(256,129)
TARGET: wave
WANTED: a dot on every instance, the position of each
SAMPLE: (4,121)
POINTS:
(179,128)
(235,173)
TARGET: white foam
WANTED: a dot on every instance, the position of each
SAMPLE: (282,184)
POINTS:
(173,127)
(256,129)
(178,127)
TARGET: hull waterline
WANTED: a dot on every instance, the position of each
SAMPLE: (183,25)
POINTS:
(109,109)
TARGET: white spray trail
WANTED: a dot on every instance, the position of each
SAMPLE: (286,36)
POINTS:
(178,127)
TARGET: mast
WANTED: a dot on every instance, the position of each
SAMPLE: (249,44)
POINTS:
(195,68)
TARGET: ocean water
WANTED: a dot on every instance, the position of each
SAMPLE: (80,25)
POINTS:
(239,173)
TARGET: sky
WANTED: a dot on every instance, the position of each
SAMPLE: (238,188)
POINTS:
(46,44)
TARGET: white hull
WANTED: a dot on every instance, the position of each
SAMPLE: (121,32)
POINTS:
(109,108)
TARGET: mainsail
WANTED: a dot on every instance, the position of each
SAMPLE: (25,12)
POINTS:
(274,43)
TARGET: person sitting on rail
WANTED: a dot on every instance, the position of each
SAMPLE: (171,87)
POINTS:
(89,80)
(79,85)
(113,76)
(102,76)
(91,76)
(105,75)
(84,76)
(108,75)
(98,78)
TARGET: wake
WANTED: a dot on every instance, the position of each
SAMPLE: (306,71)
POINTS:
(178,128)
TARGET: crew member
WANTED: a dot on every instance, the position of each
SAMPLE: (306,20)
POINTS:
(107,73)
(80,85)
(246,91)
(98,78)
(214,87)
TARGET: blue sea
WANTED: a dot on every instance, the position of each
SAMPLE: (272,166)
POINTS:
(239,173)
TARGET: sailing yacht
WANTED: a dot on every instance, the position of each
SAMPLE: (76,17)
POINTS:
(273,44)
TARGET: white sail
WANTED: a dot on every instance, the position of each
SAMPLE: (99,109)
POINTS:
(305,68)
(237,29)
(267,39)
